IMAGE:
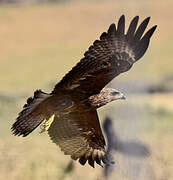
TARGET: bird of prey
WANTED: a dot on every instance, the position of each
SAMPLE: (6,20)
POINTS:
(69,112)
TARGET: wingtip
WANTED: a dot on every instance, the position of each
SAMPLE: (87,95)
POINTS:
(152,30)
(148,18)
(112,28)
(154,27)
(149,33)
(146,21)
(141,29)
(121,25)
(122,18)
(103,35)
(136,19)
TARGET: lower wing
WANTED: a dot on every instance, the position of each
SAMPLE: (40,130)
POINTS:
(79,135)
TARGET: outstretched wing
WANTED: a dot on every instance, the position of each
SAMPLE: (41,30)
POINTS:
(113,54)
(79,135)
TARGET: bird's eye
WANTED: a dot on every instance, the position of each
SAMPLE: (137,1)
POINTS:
(115,93)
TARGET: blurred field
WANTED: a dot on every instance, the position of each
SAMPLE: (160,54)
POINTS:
(40,43)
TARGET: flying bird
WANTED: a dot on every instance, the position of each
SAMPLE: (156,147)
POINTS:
(69,112)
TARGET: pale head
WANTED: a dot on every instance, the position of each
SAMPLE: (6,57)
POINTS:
(112,94)
(105,96)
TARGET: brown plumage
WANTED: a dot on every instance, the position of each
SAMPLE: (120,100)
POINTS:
(72,104)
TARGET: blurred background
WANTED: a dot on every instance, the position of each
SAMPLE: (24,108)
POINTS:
(40,41)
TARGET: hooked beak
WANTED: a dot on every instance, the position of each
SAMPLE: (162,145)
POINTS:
(122,96)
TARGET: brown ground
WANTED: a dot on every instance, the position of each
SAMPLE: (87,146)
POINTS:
(40,43)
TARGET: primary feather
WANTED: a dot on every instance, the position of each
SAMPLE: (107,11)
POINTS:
(113,54)
(73,102)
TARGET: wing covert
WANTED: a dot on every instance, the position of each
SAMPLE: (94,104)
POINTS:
(79,135)
(114,53)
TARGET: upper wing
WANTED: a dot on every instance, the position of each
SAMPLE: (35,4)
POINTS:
(113,54)
(79,135)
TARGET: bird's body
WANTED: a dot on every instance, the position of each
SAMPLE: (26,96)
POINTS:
(74,101)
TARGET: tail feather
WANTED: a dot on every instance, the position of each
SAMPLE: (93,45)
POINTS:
(32,114)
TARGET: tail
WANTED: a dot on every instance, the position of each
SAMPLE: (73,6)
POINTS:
(33,114)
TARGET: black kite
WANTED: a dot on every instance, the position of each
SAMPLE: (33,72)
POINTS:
(70,110)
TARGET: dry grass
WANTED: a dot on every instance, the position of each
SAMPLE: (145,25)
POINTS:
(39,44)
(44,42)
(35,157)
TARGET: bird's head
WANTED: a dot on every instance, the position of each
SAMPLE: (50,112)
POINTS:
(113,94)
(105,96)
